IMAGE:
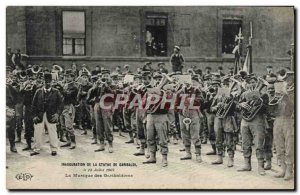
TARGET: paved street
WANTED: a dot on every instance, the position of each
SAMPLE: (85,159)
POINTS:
(48,172)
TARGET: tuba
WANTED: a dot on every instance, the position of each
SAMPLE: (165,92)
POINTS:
(253,106)
(226,105)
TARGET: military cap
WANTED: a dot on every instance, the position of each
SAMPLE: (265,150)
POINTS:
(146,73)
(220,68)
(243,74)
(114,75)
(69,72)
(157,75)
(47,76)
(148,63)
(207,68)
(271,78)
(250,77)
(269,66)
(105,71)
(177,47)
(160,63)
(198,71)
(126,66)
(178,73)
(137,76)
(281,72)
(195,77)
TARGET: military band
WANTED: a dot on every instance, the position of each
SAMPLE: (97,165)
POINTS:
(225,107)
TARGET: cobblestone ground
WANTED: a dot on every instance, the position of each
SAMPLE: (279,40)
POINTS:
(48,172)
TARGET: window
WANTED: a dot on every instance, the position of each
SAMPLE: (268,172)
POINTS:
(73,32)
(230,30)
(156,35)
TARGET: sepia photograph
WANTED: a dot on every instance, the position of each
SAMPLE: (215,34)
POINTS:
(150,98)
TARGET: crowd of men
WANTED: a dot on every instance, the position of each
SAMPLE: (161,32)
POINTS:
(229,108)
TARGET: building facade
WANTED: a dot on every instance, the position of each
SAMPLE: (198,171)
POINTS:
(111,36)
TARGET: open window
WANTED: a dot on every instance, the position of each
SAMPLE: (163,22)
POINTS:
(73,32)
(230,29)
(156,34)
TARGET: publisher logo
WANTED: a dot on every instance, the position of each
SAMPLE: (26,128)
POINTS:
(24,177)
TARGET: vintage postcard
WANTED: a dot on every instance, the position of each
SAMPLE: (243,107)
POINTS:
(150,97)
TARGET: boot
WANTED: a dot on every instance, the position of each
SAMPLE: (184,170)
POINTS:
(141,152)
(28,141)
(66,145)
(131,140)
(288,172)
(13,149)
(101,148)
(282,172)
(84,132)
(164,160)
(230,162)
(18,140)
(261,169)
(268,165)
(219,160)
(198,154)
(73,143)
(214,150)
(152,158)
(110,147)
(247,165)
(188,154)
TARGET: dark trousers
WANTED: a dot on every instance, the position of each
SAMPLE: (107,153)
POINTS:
(28,120)
(10,131)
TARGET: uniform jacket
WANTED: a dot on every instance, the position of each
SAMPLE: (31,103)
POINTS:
(50,102)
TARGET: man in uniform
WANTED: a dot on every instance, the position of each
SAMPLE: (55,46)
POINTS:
(103,112)
(82,109)
(28,90)
(190,120)
(70,91)
(284,132)
(161,68)
(156,125)
(11,93)
(140,113)
(210,116)
(253,131)
(225,126)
